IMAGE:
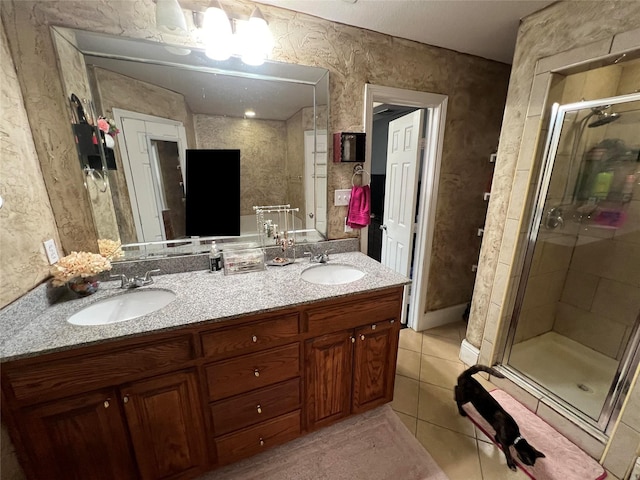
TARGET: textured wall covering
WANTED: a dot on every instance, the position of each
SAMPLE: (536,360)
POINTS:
(263,147)
(26,219)
(476,90)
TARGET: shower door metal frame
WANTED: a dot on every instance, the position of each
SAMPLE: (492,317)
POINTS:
(622,379)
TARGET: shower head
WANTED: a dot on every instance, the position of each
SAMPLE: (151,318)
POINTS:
(604,118)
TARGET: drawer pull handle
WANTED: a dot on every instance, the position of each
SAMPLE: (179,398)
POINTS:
(261,442)
(256,372)
(361,337)
(373,327)
(259,408)
(106,403)
(254,339)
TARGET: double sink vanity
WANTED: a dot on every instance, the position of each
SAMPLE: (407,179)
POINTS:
(229,366)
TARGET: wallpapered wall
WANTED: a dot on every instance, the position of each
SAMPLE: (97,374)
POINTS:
(476,89)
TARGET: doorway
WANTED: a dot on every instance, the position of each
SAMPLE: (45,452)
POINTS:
(153,156)
(428,172)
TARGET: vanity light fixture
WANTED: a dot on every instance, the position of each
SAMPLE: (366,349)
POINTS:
(216,32)
(170,18)
(224,36)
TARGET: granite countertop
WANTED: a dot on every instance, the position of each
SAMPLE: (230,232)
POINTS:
(32,328)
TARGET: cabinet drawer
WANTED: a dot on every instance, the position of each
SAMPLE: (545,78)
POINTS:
(238,339)
(258,438)
(251,408)
(251,371)
(354,313)
(81,372)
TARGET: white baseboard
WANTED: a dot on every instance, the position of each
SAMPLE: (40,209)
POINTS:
(468,353)
(441,317)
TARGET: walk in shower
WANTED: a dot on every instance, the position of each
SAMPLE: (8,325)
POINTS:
(574,334)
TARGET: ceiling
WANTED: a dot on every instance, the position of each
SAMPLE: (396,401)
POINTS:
(485,28)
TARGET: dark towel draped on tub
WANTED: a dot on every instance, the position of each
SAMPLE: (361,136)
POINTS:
(359,207)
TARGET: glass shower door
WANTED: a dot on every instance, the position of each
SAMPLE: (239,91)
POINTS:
(575,325)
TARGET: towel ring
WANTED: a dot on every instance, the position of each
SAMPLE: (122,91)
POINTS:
(359,170)
(96,176)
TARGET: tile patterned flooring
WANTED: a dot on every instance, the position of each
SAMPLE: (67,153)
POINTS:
(427,370)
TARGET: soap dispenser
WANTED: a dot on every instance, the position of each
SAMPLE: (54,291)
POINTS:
(215,258)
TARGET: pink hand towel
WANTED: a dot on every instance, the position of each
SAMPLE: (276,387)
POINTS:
(359,207)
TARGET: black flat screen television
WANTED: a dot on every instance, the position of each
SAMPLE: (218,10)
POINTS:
(212,193)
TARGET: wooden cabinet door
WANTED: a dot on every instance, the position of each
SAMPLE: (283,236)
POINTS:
(328,378)
(374,366)
(79,438)
(166,425)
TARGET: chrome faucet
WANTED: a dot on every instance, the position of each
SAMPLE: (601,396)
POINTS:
(318,258)
(136,280)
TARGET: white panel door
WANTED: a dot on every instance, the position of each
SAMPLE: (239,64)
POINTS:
(142,173)
(403,157)
(316,179)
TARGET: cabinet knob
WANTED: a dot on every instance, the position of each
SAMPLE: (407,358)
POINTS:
(254,339)
(261,441)
(256,372)
(353,340)
(392,321)
(361,337)
(125,399)
(373,327)
(106,403)
(259,409)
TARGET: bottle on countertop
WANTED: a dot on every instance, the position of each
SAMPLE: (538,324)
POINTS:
(215,258)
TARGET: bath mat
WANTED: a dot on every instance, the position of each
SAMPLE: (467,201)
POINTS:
(374,445)
(564,460)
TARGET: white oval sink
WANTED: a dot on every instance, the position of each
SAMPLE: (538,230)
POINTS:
(122,307)
(332,274)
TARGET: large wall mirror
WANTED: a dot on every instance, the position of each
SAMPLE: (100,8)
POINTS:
(164,100)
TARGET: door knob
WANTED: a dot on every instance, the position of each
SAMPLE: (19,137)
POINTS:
(383,227)
(311,215)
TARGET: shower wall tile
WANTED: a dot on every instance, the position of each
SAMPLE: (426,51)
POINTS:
(518,194)
(601,83)
(609,259)
(623,447)
(589,329)
(500,284)
(629,231)
(538,96)
(573,56)
(630,79)
(493,320)
(582,439)
(535,321)
(626,41)
(580,289)
(509,237)
(529,145)
(617,301)
(631,415)
(556,254)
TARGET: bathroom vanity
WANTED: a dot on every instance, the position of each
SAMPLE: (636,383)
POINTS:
(203,389)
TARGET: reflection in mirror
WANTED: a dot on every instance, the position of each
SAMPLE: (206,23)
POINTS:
(163,104)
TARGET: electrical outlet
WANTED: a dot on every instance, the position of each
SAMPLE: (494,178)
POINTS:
(52,251)
(347,228)
(341,197)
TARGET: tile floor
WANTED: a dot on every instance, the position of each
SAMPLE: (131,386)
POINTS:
(427,370)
